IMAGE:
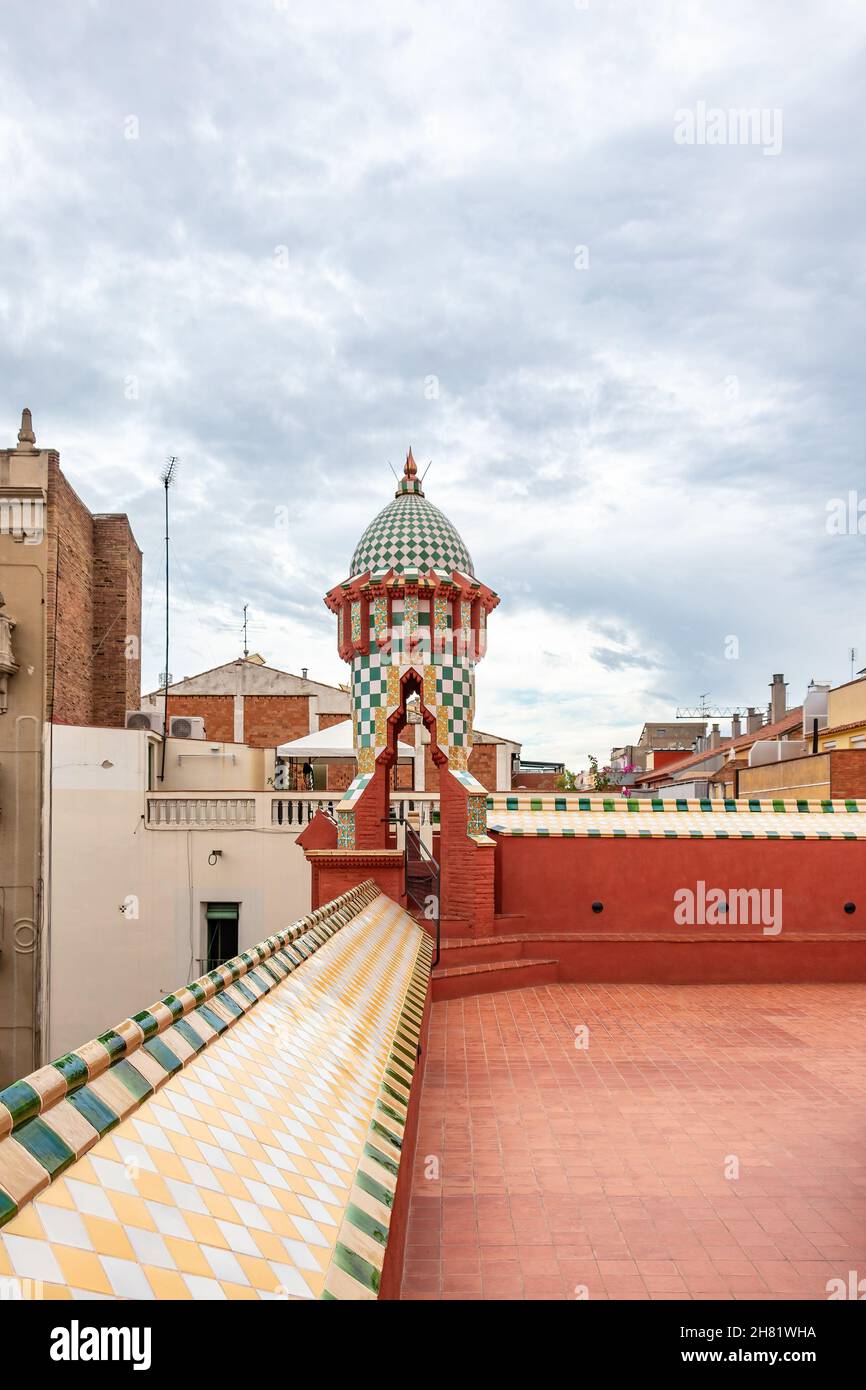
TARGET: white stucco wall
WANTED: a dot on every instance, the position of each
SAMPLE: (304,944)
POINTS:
(105,964)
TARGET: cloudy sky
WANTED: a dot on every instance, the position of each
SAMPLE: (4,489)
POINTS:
(283,240)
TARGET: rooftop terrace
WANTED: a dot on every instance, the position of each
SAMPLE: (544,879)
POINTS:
(706,1143)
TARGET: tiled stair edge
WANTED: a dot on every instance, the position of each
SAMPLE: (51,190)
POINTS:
(488,967)
(356,1267)
(50,1118)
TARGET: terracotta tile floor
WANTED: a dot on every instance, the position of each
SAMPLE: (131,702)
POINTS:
(604,1168)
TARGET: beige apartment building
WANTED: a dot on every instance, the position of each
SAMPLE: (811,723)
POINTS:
(69,653)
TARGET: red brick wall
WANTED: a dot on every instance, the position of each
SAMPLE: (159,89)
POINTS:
(848,772)
(116,617)
(467,868)
(536,781)
(326,721)
(482,764)
(336,874)
(371,813)
(217,711)
(340,774)
(69,533)
(93,595)
(273,719)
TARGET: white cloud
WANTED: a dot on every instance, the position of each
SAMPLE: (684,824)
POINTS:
(646,446)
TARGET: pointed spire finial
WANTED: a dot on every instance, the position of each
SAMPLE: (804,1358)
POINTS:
(25,434)
(409,485)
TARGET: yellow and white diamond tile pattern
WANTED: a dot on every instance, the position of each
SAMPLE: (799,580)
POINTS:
(232,1179)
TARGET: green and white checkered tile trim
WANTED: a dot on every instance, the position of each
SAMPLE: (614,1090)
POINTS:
(454,692)
(557,801)
(674,825)
(355,790)
(411,534)
(359,1255)
(468,782)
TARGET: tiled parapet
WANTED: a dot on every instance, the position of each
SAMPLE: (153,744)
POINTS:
(347,808)
(212,1145)
(359,1254)
(657,818)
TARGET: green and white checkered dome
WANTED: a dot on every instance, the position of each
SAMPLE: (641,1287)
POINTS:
(410,534)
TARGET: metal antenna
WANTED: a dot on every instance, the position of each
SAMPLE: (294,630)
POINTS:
(246,648)
(167,478)
(393,469)
(426,470)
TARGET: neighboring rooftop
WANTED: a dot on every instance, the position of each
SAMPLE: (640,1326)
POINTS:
(792,720)
(252,676)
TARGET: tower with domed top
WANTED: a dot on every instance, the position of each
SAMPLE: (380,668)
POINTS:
(412,621)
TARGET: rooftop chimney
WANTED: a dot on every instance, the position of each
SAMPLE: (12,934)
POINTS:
(735,726)
(778,698)
(753,720)
(304,670)
(715,736)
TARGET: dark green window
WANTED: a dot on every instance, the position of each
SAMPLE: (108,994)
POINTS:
(221,933)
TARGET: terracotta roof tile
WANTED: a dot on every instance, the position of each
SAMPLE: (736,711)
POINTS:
(792,720)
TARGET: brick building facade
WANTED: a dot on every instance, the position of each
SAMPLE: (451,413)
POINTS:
(245,701)
(92,609)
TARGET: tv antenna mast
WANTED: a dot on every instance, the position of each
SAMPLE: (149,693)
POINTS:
(704,710)
(167,477)
(246,648)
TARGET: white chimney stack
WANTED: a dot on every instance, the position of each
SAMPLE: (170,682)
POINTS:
(778,698)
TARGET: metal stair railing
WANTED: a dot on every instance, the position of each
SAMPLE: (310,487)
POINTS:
(422,879)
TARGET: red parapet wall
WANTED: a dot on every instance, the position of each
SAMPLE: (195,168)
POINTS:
(335,871)
(547,887)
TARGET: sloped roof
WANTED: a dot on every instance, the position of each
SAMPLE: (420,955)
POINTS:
(333,742)
(259,672)
(238,1139)
(792,720)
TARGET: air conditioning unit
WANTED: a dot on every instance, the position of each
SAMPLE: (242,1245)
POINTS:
(185,726)
(146,719)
